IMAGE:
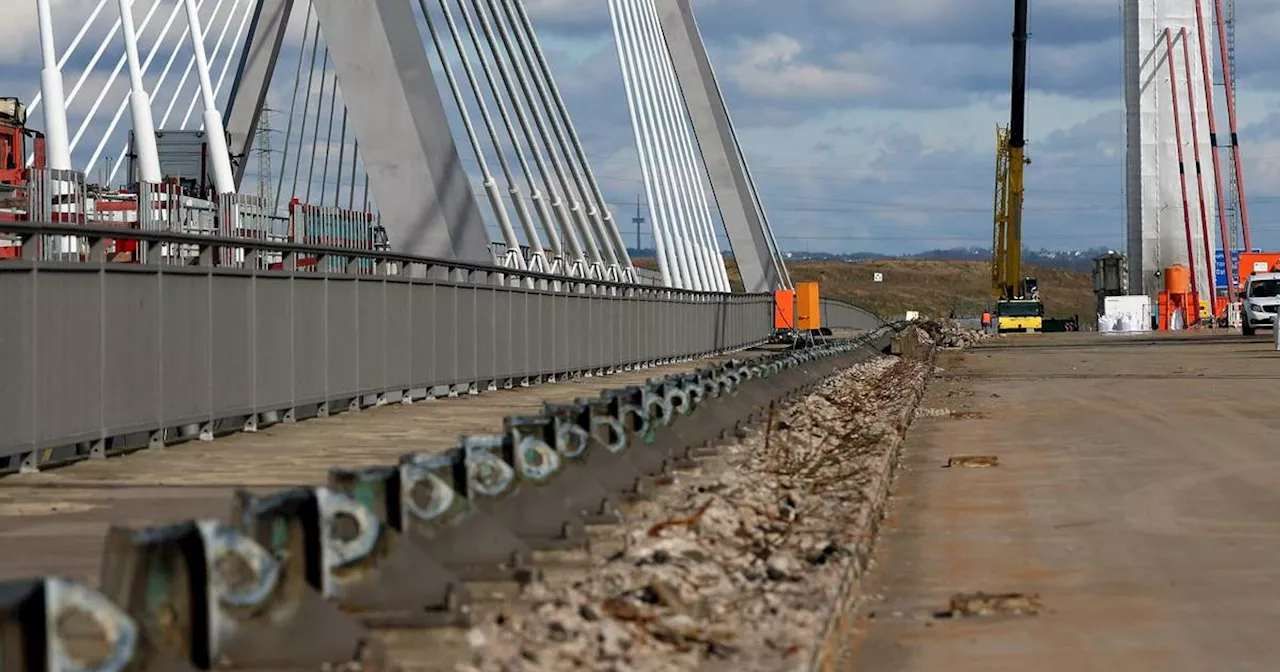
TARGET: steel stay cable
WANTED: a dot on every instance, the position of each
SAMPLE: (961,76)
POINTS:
(306,109)
(685,163)
(664,244)
(473,138)
(577,215)
(111,80)
(124,101)
(226,64)
(557,204)
(593,212)
(668,172)
(573,132)
(315,136)
(536,195)
(686,278)
(293,102)
(71,48)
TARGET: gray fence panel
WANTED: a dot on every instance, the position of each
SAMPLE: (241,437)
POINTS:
(401,327)
(656,329)
(620,335)
(544,320)
(466,331)
(17,361)
(343,340)
(486,333)
(659,346)
(520,337)
(310,340)
(123,368)
(590,332)
(563,332)
(114,350)
(178,390)
(232,344)
(424,354)
(505,361)
(593,322)
(371,335)
(273,343)
(448,331)
(68,348)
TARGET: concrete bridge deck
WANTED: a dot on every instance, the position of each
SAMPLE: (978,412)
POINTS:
(1137,494)
(54,522)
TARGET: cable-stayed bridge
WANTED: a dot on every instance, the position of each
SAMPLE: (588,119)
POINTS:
(222,217)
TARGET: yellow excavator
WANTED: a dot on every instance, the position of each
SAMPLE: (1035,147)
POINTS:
(1017,298)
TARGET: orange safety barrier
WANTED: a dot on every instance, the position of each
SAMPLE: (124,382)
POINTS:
(808,307)
(784,309)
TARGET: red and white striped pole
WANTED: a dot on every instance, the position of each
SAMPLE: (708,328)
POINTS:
(1195,144)
(1217,161)
(1231,119)
(1182,170)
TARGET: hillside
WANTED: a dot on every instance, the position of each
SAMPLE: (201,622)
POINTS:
(1071,260)
(932,287)
(938,287)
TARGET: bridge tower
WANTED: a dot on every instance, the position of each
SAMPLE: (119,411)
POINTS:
(1156,236)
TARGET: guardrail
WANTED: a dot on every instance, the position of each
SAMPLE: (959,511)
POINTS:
(236,334)
(301,576)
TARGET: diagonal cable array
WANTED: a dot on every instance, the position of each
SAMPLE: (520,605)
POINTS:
(225,15)
(546,202)
(683,229)
(492,61)
(204,82)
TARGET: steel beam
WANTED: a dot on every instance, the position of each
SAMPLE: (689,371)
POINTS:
(253,78)
(409,152)
(731,183)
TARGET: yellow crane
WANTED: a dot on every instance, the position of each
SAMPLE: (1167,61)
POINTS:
(1017,298)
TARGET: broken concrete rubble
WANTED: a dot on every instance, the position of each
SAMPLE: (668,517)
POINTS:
(743,565)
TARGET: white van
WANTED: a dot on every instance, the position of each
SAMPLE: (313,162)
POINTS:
(1260,302)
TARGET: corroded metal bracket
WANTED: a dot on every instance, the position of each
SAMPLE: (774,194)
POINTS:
(53,624)
(353,558)
(205,593)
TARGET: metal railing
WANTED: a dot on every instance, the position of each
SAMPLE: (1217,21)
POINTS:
(103,357)
(299,577)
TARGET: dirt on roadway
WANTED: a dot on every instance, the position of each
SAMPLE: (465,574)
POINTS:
(1133,517)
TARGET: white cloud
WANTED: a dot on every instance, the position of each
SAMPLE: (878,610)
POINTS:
(774,67)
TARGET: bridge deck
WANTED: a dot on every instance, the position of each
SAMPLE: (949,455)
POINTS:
(1137,495)
(54,522)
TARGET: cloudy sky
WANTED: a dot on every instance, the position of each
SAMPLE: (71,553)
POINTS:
(868,125)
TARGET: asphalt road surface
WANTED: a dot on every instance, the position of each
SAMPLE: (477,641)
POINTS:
(1137,495)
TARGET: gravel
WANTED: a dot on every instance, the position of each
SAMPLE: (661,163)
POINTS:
(740,567)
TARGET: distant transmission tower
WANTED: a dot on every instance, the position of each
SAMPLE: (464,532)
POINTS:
(266,181)
(638,220)
(1232,206)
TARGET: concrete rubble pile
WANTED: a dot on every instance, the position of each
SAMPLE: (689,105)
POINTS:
(951,336)
(740,566)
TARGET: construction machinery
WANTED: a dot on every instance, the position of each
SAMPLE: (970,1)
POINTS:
(1017,298)
(1110,278)
(16,140)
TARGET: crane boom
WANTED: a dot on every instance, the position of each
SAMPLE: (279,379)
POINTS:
(1018,305)
(1017,148)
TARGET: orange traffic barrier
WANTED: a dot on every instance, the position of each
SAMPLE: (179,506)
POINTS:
(784,309)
